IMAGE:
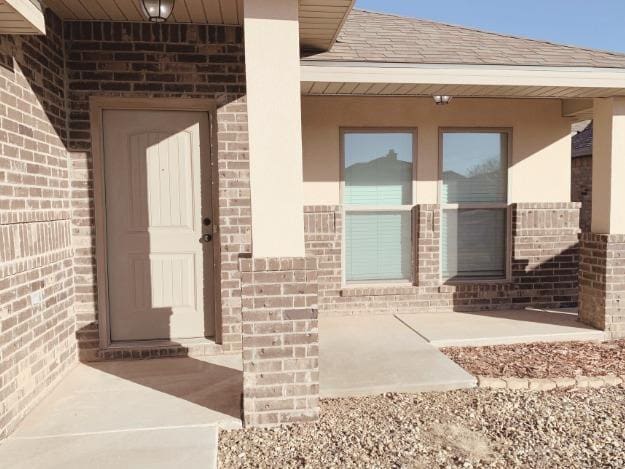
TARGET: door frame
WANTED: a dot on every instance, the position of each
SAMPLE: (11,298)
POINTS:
(97,106)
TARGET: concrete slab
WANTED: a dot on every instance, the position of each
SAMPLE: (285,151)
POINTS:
(365,355)
(164,448)
(143,414)
(126,395)
(500,327)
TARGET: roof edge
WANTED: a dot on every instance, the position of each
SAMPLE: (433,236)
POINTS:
(307,62)
(494,33)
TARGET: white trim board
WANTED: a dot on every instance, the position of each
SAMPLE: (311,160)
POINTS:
(452,74)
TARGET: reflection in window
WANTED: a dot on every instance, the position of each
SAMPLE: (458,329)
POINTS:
(378,169)
(474,167)
(474,198)
(377,198)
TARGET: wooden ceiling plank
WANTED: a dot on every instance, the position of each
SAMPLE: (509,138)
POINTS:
(79,9)
(130,10)
(97,10)
(229,11)
(181,12)
(61,9)
(211,11)
(196,11)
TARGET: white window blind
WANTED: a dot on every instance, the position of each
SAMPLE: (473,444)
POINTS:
(474,201)
(378,246)
(377,199)
(474,244)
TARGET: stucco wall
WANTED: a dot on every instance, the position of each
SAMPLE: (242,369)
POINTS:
(541,143)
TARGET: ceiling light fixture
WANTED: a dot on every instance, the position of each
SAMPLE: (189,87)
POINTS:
(157,11)
(442,100)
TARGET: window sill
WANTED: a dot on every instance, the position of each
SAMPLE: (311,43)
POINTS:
(451,286)
(379,290)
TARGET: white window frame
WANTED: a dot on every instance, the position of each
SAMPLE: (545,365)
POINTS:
(477,205)
(376,208)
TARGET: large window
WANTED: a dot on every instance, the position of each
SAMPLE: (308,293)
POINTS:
(474,222)
(377,198)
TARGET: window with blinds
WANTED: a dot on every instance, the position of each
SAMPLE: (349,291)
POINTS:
(377,199)
(474,221)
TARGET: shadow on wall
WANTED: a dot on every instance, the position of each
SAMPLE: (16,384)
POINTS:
(551,283)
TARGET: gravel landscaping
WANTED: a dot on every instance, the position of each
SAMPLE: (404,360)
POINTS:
(472,428)
(542,360)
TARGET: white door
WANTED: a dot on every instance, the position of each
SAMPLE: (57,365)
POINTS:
(158,209)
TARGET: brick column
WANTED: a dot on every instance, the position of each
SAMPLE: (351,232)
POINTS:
(280,340)
(427,220)
(602,282)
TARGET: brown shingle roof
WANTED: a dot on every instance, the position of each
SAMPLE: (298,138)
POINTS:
(380,37)
(582,141)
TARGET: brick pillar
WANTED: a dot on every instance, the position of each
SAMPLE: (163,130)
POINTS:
(602,282)
(280,340)
(427,220)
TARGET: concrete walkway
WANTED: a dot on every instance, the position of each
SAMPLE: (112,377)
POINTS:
(363,355)
(500,327)
(162,413)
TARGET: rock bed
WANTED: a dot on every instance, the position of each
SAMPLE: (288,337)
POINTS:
(472,428)
(542,360)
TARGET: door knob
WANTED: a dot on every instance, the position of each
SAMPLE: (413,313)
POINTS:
(207,238)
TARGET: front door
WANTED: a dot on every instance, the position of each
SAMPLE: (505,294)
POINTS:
(158,209)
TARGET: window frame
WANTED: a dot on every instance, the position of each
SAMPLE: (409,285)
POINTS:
(376,208)
(477,205)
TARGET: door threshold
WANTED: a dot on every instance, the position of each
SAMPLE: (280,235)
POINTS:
(143,349)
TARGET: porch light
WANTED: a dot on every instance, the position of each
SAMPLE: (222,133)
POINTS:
(157,11)
(442,100)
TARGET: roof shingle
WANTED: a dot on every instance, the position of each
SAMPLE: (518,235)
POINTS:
(380,37)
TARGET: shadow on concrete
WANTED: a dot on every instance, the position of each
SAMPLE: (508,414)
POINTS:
(214,383)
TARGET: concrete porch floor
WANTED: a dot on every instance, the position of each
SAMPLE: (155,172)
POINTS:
(500,327)
(361,355)
(161,413)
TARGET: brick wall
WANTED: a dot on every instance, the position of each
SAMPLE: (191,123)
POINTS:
(171,60)
(602,290)
(544,265)
(581,189)
(280,340)
(37,344)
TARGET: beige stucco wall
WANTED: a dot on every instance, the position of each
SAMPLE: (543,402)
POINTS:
(273,109)
(540,169)
(608,166)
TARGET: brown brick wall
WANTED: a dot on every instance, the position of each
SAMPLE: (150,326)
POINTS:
(280,340)
(602,289)
(172,60)
(581,189)
(544,265)
(37,320)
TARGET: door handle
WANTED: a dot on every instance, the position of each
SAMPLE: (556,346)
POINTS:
(206,238)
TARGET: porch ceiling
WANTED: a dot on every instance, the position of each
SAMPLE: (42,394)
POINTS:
(320,20)
(371,79)
(185,11)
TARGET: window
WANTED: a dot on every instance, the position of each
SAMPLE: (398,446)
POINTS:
(474,221)
(377,199)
